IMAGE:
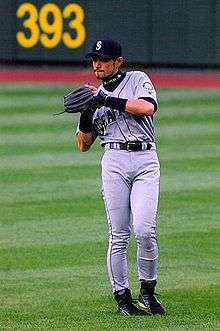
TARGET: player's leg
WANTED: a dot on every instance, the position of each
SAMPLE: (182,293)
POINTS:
(118,216)
(144,204)
(116,194)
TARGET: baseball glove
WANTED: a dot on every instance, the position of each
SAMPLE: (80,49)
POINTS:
(82,100)
(78,100)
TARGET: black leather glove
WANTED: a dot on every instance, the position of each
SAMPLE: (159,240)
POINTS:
(77,101)
(98,100)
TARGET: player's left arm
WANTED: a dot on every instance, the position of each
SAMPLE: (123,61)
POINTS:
(140,107)
(143,103)
(145,98)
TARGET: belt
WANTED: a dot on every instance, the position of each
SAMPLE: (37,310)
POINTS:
(132,146)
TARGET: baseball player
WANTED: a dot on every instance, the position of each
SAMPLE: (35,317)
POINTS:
(125,103)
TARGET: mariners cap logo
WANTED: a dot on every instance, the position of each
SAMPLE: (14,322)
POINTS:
(105,48)
(98,45)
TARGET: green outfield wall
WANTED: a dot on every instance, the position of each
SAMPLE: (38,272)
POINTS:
(171,32)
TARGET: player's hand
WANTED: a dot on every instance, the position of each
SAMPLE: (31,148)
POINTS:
(92,88)
(98,100)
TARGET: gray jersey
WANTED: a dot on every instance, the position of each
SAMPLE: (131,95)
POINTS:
(114,126)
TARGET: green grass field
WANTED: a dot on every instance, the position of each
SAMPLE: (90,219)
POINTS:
(53,236)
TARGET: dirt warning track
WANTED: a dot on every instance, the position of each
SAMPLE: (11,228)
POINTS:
(160,79)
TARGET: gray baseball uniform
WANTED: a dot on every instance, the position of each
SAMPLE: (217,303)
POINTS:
(130,180)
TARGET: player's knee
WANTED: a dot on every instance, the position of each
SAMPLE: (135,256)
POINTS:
(147,232)
(119,239)
(148,243)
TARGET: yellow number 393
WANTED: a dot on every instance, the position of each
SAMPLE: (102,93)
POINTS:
(47,25)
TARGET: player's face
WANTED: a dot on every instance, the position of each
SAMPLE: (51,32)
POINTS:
(104,68)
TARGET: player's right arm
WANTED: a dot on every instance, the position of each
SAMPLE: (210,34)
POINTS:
(84,141)
(86,137)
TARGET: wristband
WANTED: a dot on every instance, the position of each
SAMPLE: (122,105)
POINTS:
(85,122)
(116,103)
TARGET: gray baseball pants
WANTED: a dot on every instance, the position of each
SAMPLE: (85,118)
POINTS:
(130,186)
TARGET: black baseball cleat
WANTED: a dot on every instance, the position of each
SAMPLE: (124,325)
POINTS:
(147,299)
(126,306)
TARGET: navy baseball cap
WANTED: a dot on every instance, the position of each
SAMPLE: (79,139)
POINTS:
(106,49)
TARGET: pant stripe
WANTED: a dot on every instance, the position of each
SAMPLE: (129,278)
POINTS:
(110,240)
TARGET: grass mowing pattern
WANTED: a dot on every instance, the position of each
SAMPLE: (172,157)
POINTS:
(53,234)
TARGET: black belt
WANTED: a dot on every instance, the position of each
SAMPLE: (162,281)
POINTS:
(132,146)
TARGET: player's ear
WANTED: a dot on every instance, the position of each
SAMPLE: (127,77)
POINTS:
(120,61)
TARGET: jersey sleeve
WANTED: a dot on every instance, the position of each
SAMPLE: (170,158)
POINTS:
(144,88)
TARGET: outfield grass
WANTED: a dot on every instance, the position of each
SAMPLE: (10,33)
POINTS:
(53,236)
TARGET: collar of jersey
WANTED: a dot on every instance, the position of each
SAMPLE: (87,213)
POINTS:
(110,84)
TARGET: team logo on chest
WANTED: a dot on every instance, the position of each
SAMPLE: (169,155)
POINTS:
(101,123)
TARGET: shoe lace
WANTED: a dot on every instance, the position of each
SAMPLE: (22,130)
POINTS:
(128,304)
(151,297)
